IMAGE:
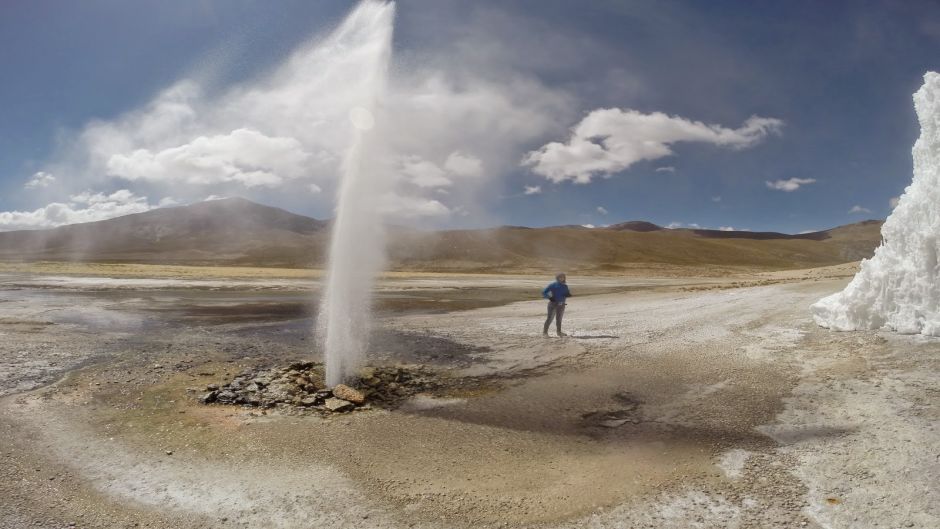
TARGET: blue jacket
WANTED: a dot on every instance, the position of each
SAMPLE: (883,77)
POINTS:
(556,292)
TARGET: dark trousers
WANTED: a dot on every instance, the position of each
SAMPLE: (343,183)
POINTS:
(555,312)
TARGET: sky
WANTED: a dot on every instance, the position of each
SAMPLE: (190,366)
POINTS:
(783,116)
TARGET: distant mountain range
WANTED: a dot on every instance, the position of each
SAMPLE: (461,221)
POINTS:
(236,231)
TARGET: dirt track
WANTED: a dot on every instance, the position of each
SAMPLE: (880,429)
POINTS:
(670,406)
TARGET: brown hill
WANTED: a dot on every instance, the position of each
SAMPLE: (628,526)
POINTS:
(232,230)
(635,225)
(239,232)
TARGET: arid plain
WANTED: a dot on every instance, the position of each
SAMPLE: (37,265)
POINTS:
(679,400)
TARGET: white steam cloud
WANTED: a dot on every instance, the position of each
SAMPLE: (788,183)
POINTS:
(456,128)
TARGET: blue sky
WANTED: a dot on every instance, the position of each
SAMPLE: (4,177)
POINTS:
(623,110)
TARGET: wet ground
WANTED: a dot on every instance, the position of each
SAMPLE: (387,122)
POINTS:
(675,403)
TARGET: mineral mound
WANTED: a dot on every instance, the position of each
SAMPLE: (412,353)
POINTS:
(300,385)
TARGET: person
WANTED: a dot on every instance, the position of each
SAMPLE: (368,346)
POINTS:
(556,293)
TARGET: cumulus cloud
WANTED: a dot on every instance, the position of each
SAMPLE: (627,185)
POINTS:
(677,225)
(82,207)
(610,140)
(244,156)
(602,210)
(39,180)
(427,174)
(406,207)
(462,164)
(293,126)
(666,169)
(423,173)
(456,124)
(789,185)
(859,209)
(893,202)
(588,226)
(532,190)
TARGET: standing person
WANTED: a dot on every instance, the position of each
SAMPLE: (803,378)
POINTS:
(556,293)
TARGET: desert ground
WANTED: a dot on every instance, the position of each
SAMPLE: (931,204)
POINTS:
(680,399)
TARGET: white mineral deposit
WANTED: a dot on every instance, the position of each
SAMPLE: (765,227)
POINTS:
(899,287)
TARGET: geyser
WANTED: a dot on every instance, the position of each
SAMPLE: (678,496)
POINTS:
(357,248)
(899,287)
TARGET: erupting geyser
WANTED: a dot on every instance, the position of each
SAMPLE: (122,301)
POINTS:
(357,249)
(899,288)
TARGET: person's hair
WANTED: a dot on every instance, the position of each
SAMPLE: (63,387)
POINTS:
(559,275)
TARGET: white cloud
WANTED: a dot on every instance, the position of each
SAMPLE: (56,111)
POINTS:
(461,164)
(666,169)
(404,207)
(893,202)
(677,225)
(726,228)
(532,190)
(789,185)
(423,173)
(290,127)
(82,207)
(610,140)
(243,155)
(39,180)
(314,188)
(602,210)
(210,198)
(859,209)
(588,226)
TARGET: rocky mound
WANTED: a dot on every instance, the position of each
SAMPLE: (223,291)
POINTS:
(301,386)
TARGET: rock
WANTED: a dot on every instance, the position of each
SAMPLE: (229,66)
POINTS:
(208,397)
(367,373)
(212,387)
(309,401)
(614,423)
(226,396)
(338,405)
(345,392)
(301,366)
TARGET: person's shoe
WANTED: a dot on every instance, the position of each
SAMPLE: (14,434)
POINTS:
(545,334)
(561,334)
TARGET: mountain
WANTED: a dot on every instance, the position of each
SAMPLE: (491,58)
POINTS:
(231,230)
(236,231)
(635,225)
